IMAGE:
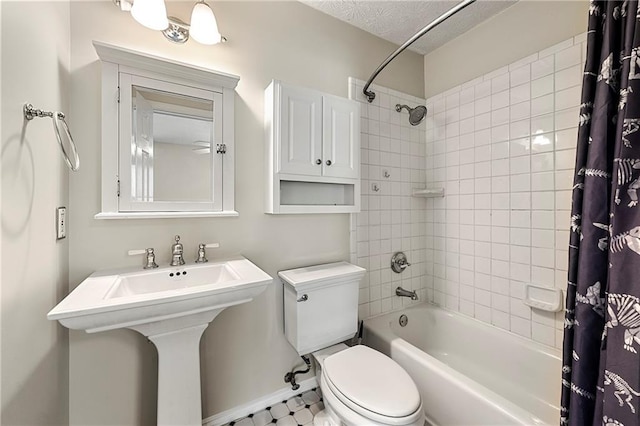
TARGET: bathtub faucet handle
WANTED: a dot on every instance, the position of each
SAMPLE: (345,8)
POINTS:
(399,262)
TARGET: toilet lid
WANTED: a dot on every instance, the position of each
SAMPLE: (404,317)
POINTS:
(372,381)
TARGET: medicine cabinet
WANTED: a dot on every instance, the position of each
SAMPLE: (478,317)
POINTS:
(313,151)
(167,137)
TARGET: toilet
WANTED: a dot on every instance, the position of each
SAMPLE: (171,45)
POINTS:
(360,385)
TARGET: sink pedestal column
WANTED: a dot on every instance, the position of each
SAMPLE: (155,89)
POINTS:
(179,401)
(178,344)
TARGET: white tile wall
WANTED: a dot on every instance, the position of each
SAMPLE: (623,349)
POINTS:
(503,147)
(393,159)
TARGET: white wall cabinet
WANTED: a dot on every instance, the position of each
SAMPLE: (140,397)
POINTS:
(313,151)
(300,123)
(340,137)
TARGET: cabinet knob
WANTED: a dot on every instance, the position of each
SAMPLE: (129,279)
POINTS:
(328,162)
(318,161)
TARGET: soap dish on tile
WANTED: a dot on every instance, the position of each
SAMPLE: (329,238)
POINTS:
(543,298)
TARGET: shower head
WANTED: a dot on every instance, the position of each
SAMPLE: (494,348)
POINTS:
(416,115)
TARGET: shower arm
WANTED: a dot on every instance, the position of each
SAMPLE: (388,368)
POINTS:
(457,8)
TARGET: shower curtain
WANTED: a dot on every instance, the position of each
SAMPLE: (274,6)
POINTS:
(601,365)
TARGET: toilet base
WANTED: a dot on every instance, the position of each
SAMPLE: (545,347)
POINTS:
(323,419)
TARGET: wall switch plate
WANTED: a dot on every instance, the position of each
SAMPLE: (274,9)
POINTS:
(61,223)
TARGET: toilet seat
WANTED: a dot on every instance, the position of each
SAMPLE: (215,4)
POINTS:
(372,385)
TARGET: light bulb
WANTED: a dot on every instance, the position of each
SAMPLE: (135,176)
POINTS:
(150,13)
(204,28)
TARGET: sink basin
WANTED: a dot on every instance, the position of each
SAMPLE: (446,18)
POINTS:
(108,300)
(169,280)
(171,306)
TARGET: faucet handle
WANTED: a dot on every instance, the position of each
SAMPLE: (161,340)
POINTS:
(399,262)
(151,257)
(202,256)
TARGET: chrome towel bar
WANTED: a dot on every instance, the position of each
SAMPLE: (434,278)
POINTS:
(59,121)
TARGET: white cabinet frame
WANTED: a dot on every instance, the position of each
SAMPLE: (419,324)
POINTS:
(323,120)
(116,60)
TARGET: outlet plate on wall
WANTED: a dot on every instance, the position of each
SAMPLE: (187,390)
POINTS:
(61,223)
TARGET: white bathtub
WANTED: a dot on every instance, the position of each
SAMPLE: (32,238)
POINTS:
(468,372)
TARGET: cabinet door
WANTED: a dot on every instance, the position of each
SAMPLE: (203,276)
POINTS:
(300,132)
(341,138)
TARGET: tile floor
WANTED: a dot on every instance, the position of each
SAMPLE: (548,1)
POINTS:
(296,411)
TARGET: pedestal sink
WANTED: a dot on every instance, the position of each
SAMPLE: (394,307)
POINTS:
(171,306)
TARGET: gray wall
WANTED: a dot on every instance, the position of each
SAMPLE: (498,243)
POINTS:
(244,352)
(35,68)
(522,29)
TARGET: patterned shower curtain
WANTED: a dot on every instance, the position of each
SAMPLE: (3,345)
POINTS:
(601,366)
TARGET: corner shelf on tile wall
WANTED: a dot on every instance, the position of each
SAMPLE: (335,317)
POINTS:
(428,193)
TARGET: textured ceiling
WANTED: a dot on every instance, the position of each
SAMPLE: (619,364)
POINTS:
(398,20)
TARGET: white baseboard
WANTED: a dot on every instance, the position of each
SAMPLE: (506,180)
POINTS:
(258,404)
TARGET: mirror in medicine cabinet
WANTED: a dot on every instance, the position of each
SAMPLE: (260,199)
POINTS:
(167,138)
(172,153)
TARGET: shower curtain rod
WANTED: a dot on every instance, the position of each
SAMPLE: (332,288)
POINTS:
(371,94)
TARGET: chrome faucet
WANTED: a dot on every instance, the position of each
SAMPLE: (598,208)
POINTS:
(176,252)
(406,293)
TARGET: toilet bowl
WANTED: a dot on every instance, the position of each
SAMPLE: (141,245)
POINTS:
(361,386)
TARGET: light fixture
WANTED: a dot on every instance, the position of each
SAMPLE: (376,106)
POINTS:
(153,14)
(150,13)
(124,5)
(204,28)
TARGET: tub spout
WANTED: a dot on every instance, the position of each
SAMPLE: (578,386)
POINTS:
(406,293)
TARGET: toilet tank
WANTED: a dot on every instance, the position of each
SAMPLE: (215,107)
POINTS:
(320,304)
